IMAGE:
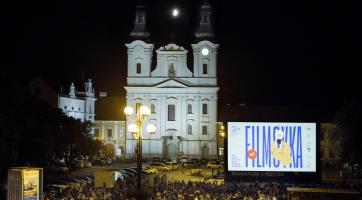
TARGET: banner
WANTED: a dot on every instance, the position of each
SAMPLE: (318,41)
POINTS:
(31,184)
(285,147)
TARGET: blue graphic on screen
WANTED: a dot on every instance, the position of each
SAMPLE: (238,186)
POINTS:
(271,146)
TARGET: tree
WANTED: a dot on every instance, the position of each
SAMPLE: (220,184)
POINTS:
(348,121)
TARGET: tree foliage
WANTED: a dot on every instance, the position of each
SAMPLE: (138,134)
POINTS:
(349,121)
(34,133)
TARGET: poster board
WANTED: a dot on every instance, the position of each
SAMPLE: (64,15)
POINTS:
(25,184)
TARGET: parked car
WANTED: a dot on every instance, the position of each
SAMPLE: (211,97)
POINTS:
(214,165)
(149,169)
(171,165)
(96,162)
(190,165)
(87,163)
(131,171)
(159,166)
(80,163)
(156,159)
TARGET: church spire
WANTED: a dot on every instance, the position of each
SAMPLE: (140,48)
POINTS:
(139,31)
(72,91)
(205,29)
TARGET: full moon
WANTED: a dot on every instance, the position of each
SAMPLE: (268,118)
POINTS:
(175,12)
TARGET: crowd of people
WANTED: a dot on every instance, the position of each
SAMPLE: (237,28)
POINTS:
(159,188)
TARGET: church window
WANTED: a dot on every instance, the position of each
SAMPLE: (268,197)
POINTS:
(189,129)
(96,132)
(204,130)
(171,112)
(204,69)
(189,109)
(109,133)
(204,109)
(138,68)
(153,110)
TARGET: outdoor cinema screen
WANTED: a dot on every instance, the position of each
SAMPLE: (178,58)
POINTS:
(278,147)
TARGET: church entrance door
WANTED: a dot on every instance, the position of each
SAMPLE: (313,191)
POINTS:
(205,152)
(171,151)
(109,150)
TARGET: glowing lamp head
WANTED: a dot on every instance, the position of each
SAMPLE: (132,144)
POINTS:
(144,110)
(175,12)
(151,128)
(132,128)
(222,134)
(128,110)
(222,127)
(205,51)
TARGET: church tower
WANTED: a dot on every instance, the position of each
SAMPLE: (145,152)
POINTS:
(139,31)
(139,52)
(205,52)
(205,29)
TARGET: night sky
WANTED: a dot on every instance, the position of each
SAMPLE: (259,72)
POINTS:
(283,52)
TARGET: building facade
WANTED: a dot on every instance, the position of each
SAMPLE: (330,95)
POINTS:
(79,105)
(330,146)
(183,103)
(113,136)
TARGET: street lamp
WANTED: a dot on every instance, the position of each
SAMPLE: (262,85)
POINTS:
(136,129)
(221,134)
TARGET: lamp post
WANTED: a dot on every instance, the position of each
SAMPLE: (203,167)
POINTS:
(221,134)
(136,129)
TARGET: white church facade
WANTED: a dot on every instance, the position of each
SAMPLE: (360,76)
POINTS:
(79,105)
(183,103)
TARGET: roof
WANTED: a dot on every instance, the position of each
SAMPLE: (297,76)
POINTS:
(110,108)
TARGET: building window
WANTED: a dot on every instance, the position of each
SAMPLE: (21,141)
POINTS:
(204,130)
(189,129)
(204,68)
(189,109)
(65,107)
(72,108)
(96,132)
(204,109)
(138,68)
(78,109)
(109,132)
(171,112)
(153,110)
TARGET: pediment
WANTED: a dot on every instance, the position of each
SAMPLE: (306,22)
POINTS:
(171,83)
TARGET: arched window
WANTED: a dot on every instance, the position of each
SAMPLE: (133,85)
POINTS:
(153,110)
(171,112)
(204,68)
(204,109)
(189,109)
(189,129)
(138,68)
